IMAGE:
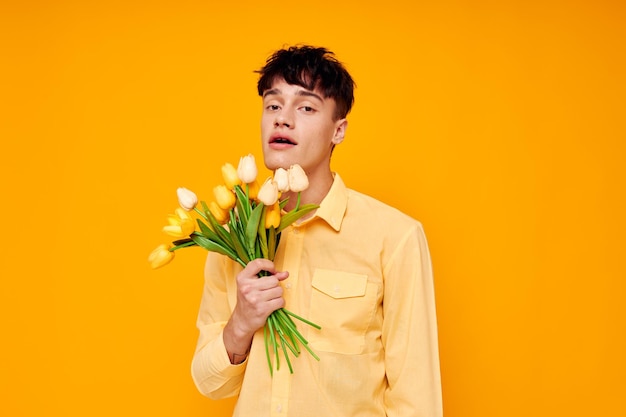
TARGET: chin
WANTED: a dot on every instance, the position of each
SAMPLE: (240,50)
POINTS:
(273,161)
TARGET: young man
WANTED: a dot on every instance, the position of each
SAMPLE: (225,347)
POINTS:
(357,267)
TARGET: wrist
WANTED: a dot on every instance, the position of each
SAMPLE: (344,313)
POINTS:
(238,358)
(237,341)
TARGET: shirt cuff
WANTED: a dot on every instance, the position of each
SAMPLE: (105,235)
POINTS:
(217,355)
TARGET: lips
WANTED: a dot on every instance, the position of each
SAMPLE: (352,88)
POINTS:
(278,139)
(282,140)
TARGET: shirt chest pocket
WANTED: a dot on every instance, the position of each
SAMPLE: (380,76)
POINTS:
(342,303)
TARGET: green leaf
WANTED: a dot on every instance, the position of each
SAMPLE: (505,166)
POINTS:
(272,243)
(182,243)
(203,227)
(293,215)
(233,221)
(239,247)
(207,232)
(206,209)
(216,247)
(262,233)
(252,227)
(237,233)
(220,230)
(243,203)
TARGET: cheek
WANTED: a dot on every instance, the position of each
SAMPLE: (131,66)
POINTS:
(326,134)
(265,125)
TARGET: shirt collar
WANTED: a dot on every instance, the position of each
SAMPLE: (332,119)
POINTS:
(333,206)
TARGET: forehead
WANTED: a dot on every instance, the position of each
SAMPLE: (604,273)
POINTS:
(281,87)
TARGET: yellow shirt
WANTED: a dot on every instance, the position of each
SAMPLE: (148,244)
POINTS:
(362,271)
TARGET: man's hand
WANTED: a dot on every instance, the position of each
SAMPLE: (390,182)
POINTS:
(257,298)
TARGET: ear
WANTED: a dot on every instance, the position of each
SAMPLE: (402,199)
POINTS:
(340,131)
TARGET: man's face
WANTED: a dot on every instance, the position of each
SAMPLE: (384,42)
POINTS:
(297,127)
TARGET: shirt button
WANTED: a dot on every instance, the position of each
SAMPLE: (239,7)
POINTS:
(279,408)
(288,285)
(296,231)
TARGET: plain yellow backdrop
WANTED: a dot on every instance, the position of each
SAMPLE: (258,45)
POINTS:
(499,125)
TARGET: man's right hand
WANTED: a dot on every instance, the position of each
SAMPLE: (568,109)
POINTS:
(257,298)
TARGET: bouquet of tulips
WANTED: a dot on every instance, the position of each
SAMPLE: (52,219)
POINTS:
(244,222)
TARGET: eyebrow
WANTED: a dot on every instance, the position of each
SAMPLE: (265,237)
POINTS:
(304,93)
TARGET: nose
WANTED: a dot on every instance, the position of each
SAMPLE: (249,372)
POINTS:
(283,119)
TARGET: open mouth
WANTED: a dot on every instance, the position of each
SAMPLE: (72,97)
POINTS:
(282,141)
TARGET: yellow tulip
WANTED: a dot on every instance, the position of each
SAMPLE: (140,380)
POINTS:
(281,176)
(180,224)
(186,198)
(272,216)
(160,256)
(229,174)
(219,213)
(224,197)
(253,189)
(298,180)
(247,171)
(268,194)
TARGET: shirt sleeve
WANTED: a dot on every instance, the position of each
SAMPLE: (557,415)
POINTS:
(410,331)
(211,370)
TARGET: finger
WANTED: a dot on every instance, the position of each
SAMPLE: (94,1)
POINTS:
(257,265)
(272,281)
(266,283)
(281,275)
(275,304)
(273,293)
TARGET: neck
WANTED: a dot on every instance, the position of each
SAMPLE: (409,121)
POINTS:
(318,188)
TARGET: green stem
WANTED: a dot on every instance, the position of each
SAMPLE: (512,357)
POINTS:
(310,323)
(273,341)
(282,344)
(200,213)
(306,346)
(290,329)
(183,245)
(282,332)
(297,202)
(305,343)
(278,326)
(267,348)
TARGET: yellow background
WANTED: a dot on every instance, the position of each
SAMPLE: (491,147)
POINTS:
(500,125)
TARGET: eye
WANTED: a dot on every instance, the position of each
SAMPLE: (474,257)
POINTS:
(308,109)
(272,107)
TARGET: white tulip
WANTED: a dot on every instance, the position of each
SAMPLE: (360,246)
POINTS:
(298,180)
(247,170)
(187,198)
(268,194)
(281,177)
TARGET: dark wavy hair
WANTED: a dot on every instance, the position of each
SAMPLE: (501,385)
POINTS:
(310,67)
